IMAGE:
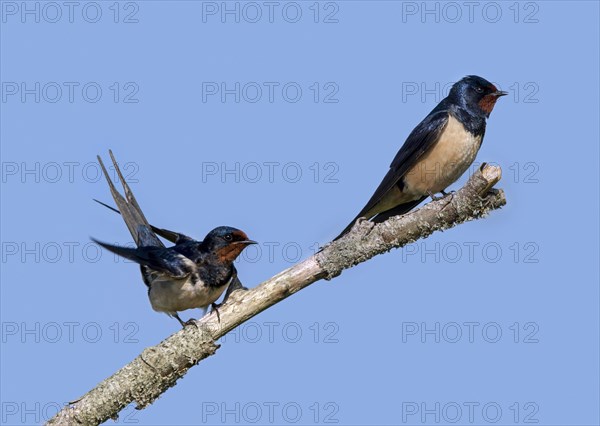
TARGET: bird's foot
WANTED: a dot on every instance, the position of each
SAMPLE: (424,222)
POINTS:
(444,194)
(434,197)
(191,321)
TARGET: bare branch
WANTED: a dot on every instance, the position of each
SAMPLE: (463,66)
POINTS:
(159,367)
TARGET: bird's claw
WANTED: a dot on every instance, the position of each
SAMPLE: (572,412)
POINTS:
(191,321)
(444,194)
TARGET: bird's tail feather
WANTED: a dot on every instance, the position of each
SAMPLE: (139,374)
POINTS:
(130,253)
(174,237)
(383,216)
(136,222)
(158,259)
(397,211)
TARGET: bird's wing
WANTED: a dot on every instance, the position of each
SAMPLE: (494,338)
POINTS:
(191,249)
(160,259)
(174,237)
(420,141)
(135,220)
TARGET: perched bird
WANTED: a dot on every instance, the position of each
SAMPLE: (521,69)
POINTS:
(177,237)
(436,153)
(190,274)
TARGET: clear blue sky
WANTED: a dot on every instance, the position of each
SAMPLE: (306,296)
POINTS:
(281,119)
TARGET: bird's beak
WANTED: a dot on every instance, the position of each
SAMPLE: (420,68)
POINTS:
(499,93)
(247,242)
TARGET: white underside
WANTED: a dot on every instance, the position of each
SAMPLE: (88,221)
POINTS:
(178,295)
(436,170)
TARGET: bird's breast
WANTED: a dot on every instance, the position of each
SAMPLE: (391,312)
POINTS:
(169,295)
(445,162)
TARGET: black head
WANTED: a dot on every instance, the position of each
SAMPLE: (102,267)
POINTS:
(226,242)
(475,94)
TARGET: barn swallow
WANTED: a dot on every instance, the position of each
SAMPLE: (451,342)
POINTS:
(176,238)
(190,274)
(436,153)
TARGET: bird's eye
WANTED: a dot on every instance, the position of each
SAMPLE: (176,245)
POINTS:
(479,90)
(228,237)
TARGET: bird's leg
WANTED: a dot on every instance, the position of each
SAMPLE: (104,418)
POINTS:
(176,316)
(215,307)
(191,321)
(433,197)
(234,285)
(443,192)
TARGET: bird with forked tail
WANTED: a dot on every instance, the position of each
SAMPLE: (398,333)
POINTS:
(190,274)
(436,153)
